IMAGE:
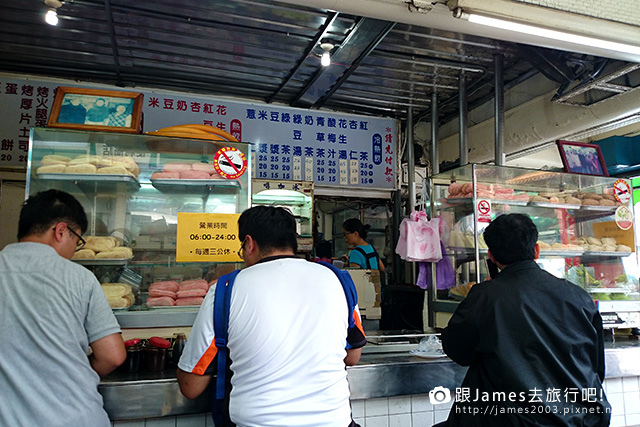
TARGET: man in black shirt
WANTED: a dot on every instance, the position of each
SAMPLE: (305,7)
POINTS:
(533,342)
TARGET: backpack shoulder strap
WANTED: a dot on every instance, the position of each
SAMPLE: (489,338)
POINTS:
(368,256)
(221,306)
(348,287)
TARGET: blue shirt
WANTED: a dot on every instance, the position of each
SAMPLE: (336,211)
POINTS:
(355,257)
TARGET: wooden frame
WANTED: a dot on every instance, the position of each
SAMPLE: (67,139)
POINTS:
(581,158)
(96,109)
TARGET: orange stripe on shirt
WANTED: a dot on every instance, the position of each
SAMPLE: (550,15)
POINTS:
(356,318)
(206,359)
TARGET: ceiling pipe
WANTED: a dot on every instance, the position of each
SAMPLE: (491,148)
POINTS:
(551,122)
(411,165)
(462,119)
(440,17)
(435,165)
(498,87)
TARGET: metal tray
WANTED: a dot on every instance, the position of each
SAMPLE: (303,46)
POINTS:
(599,208)
(103,181)
(178,185)
(103,261)
(566,254)
(554,205)
(608,253)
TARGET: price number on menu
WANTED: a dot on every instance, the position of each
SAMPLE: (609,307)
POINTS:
(212,236)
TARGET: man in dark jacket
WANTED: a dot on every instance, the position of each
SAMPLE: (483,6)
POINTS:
(533,342)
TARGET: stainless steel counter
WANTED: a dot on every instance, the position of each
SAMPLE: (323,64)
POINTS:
(387,374)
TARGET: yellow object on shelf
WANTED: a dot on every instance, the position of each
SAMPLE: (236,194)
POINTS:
(195,131)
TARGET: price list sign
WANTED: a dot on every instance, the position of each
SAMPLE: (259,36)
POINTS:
(206,237)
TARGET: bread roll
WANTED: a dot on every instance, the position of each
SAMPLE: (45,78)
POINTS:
(623,248)
(52,169)
(606,202)
(194,175)
(85,158)
(165,175)
(115,170)
(121,252)
(116,289)
(590,202)
(100,243)
(84,254)
(608,241)
(592,196)
(609,248)
(594,241)
(203,167)
(81,168)
(544,246)
(572,200)
(54,159)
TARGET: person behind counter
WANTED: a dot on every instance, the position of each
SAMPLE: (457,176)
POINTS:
(53,311)
(364,254)
(534,343)
(289,336)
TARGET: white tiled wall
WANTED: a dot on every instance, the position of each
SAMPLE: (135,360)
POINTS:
(417,410)
(624,396)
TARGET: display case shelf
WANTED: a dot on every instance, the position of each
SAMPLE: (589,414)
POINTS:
(136,208)
(94,182)
(578,218)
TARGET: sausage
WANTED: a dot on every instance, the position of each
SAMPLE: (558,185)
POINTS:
(155,293)
(191,293)
(196,284)
(165,286)
(189,301)
(160,302)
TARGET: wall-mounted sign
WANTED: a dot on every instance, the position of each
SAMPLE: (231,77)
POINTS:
(622,191)
(328,148)
(624,217)
(204,237)
(230,162)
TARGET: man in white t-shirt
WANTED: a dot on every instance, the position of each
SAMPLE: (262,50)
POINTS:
(52,312)
(289,337)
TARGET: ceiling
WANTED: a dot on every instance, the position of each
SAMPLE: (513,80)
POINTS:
(268,51)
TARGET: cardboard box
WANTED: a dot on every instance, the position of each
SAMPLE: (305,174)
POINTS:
(369,294)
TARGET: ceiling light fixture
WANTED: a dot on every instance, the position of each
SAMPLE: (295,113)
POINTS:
(51,17)
(325,59)
(545,32)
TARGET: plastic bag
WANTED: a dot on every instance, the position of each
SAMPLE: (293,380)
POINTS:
(419,238)
(445,273)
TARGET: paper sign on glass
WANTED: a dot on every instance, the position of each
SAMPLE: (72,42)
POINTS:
(207,237)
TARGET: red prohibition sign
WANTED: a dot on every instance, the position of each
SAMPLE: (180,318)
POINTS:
(484,207)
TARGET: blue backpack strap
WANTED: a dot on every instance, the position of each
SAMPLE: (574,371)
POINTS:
(221,306)
(368,256)
(349,289)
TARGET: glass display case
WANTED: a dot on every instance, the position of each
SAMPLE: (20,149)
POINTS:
(132,188)
(585,226)
(297,196)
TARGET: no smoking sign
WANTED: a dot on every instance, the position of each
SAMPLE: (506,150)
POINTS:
(230,162)
(483,207)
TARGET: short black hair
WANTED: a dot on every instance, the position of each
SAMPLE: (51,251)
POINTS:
(270,226)
(511,238)
(354,224)
(48,208)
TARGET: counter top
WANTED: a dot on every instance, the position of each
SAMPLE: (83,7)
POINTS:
(156,394)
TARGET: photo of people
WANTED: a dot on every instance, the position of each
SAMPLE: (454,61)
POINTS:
(582,158)
(96,110)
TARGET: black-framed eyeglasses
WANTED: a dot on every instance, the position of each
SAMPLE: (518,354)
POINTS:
(241,250)
(81,242)
(346,233)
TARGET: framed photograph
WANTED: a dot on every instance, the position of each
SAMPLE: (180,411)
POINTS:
(96,109)
(586,159)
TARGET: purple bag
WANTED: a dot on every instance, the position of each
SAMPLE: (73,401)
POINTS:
(445,273)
